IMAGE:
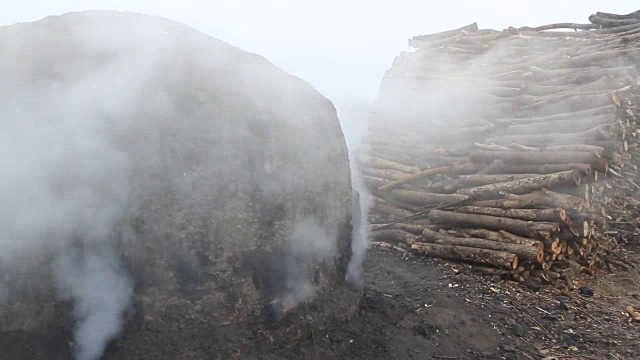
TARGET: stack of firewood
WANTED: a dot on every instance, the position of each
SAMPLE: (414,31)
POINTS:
(535,183)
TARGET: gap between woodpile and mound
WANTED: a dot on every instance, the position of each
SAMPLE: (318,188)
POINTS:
(512,157)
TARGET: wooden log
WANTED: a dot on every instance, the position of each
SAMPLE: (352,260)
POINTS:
(599,111)
(537,215)
(392,175)
(559,126)
(531,252)
(535,157)
(421,40)
(542,198)
(425,198)
(534,230)
(387,246)
(451,170)
(382,207)
(632,15)
(380,163)
(514,168)
(500,259)
(609,23)
(522,186)
(465,181)
(414,229)
(540,139)
(559,26)
(394,235)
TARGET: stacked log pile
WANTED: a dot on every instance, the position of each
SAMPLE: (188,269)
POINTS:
(537,174)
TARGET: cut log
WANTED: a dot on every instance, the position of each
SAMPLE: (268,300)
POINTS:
(540,139)
(535,157)
(382,207)
(522,186)
(451,170)
(415,229)
(422,40)
(560,126)
(535,200)
(380,163)
(387,174)
(394,235)
(513,168)
(537,215)
(534,230)
(466,181)
(559,26)
(610,23)
(494,258)
(425,198)
(632,15)
(531,252)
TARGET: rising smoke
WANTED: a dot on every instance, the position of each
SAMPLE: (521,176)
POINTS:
(66,185)
(353,116)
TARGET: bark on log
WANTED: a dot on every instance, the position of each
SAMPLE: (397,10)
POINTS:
(609,23)
(560,126)
(535,157)
(382,207)
(424,198)
(525,252)
(537,215)
(560,26)
(540,199)
(419,40)
(381,163)
(540,139)
(522,186)
(534,230)
(392,175)
(450,170)
(466,181)
(394,235)
(494,258)
(631,15)
(513,168)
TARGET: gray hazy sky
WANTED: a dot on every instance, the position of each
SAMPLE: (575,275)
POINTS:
(340,47)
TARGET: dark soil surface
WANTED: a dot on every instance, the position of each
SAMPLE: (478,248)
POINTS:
(411,308)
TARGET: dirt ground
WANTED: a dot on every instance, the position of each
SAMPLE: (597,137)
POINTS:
(411,308)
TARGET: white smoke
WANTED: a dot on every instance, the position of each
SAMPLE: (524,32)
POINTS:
(354,121)
(65,182)
(101,293)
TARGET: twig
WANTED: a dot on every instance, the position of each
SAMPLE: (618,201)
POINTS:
(445,357)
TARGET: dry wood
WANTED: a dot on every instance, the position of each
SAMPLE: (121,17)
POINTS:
(632,15)
(451,170)
(465,181)
(415,229)
(534,230)
(559,126)
(394,235)
(538,215)
(522,186)
(538,199)
(381,163)
(425,198)
(422,39)
(392,175)
(528,252)
(382,207)
(498,259)
(608,22)
(513,168)
(386,246)
(535,157)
